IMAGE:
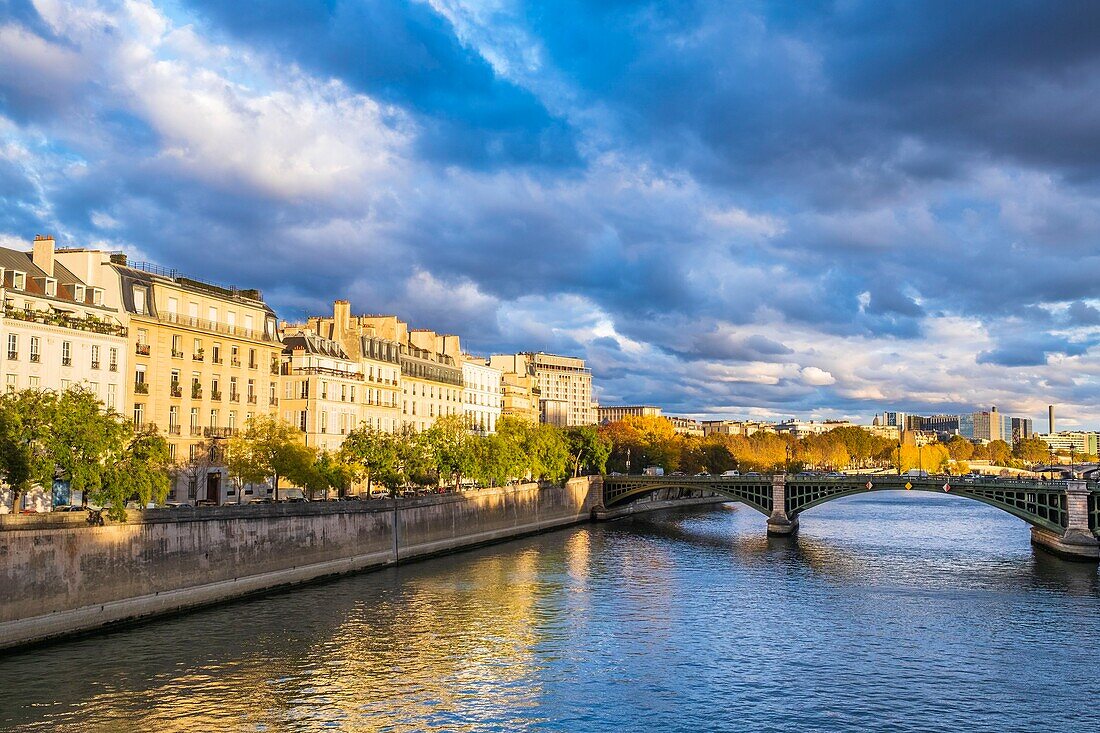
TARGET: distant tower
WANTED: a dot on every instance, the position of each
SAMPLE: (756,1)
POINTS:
(1050,418)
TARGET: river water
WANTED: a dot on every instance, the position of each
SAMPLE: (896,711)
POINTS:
(888,612)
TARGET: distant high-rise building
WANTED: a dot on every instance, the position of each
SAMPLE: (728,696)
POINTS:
(966,425)
(614,413)
(943,424)
(1021,429)
(1050,419)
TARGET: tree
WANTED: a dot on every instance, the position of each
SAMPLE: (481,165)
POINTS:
(269,447)
(204,456)
(85,439)
(141,471)
(370,453)
(587,449)
(1032,450)
(999,452)
(26,439)
(451,447)
(329,471)
(960,448)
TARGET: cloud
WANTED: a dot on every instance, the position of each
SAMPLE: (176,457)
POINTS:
(728,208)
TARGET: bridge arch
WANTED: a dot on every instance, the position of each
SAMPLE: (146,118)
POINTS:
(754,494)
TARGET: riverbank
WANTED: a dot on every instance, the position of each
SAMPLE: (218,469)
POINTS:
(63,577)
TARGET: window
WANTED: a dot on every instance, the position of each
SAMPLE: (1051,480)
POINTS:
(231,319)
(216,353)
(248,321)
(34,382)
(112,362)
(66,353)
(111,388)
(173,306)
(192,484)
(65,384)
(97,296)
(11,382)
(302,421)
(324,421)
(139,415)
(50,286)
(252,359)
(35,355)
(78,293)
(194,418)
(139,374)
(232,419)
(212,314)
(139,300)
(172,451)
(173,417)
(177,346)
(95,356)
(213,418)
(19,280)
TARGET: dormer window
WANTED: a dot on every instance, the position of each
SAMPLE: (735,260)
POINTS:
(139,300)
(78,293)
(97,296)
(19,280)
(49,287)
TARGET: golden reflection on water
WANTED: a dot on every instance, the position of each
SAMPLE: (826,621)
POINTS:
(434,650)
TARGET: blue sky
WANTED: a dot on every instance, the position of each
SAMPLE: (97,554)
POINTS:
(730,208)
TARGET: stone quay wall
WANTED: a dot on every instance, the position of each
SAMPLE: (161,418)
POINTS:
(60,576)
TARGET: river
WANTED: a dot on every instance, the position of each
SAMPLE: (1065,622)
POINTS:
(908,612)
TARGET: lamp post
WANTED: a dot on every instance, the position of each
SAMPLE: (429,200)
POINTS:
(1072,461)
(788,457)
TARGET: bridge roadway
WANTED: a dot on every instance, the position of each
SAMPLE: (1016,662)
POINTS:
(1064,515)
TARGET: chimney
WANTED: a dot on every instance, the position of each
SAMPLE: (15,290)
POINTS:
(118,258)
(42,255)
(1050,418)
(341,316)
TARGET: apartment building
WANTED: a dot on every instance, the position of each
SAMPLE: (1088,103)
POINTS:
(614,413)
(204,358)
(56,330)
(481,394)
(323,390)
(520,391)
(379,363)
(564,382)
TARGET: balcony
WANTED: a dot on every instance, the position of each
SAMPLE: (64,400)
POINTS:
(35,358)
(213,432)
(217,360)
(197,356)
(215,395)
(66,361)
(143,349)
(196,392)
(66,320)
(95,365)
(112,367)
(13,355)
(251,399)
(323,370)
(177,354)
(272,401)
(214,327)
(234,397)
(176,390)
(196,431)
(141,388)
(173,429)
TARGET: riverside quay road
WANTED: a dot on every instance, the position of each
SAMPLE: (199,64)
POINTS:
(1064,515)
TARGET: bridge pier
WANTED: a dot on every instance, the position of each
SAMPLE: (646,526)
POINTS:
(1077,542)
(779,524)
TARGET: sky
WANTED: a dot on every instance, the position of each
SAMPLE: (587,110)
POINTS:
(730,209)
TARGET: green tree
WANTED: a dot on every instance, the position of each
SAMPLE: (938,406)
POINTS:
(372,454)
(587,449)
(85,440)
(142,471)
(27,418)
(269,447)
(999,452)
(329,472)
(960,448)
(451,447)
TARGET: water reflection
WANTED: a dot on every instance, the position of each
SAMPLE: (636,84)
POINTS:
(915,613)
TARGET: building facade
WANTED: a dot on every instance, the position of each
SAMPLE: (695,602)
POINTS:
(379,363)
(520,388)
(685,425)
(322,389)
(204,359)
(614,413)
(481,394)
(1075,441)
(564,383)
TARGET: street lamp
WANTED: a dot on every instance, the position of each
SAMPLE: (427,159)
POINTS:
(788,457)
(1072,461)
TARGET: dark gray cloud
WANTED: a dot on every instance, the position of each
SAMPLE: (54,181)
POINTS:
(901,195)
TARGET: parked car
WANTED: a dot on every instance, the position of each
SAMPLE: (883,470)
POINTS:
(654,471)
(702,474)
(293,496)
(731,473)
(68,508)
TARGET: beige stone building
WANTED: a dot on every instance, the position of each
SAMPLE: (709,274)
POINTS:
(519,387)
(481,394)
(614,413)
(203,358)
(323,391)
(379,363)
(564,383)
(423,377)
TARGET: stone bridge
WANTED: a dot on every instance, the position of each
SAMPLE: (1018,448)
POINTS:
(1064,515)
